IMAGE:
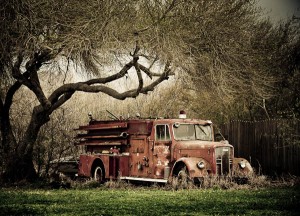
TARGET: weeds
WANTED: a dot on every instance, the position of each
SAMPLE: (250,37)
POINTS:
(226,182)
(117,184)
(184,182)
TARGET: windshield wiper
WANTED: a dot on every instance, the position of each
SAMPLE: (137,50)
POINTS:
(202,130)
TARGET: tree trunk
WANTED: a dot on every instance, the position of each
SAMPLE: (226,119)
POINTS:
(19,162)
(18,168)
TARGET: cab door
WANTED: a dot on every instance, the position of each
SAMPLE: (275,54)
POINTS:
(161,151)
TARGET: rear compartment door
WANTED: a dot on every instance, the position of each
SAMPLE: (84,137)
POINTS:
(139,159)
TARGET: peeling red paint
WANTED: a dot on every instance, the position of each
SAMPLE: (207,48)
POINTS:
(155,149)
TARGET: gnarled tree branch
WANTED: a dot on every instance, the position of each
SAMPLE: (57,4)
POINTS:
(60,95)
(30,77)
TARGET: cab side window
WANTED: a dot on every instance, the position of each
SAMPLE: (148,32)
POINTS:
(162,133)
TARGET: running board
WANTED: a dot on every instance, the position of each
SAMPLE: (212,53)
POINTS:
(144,179)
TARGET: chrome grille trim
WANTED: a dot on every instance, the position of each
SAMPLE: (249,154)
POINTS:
(224,160)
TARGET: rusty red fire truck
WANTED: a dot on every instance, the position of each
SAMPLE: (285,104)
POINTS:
(155,150)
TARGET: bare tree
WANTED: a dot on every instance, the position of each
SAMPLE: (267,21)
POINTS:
(37,34)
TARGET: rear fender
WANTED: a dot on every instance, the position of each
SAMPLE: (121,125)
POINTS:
(88,163)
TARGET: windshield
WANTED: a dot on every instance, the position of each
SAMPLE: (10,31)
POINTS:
(192,132)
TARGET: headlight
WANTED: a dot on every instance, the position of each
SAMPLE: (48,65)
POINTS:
(200,165)
(242,164)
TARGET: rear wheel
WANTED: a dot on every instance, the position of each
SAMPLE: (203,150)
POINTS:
(98,174)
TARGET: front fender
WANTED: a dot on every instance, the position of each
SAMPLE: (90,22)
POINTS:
(192,168)
(238,170)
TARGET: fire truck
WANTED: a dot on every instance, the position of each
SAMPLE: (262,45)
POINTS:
(155,150)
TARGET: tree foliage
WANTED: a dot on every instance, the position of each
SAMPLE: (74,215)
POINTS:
(242,66)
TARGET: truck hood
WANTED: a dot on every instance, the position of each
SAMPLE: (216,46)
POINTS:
(198,144)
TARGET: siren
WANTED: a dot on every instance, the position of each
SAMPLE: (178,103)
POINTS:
(182,114)
(90,116)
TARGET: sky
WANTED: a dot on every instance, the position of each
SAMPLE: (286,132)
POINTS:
(281,9)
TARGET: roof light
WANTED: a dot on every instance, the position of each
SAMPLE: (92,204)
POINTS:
(182,114)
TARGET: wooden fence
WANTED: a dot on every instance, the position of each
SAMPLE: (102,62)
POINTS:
(272,146)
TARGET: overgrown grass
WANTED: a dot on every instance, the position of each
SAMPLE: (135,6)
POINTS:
(153,200)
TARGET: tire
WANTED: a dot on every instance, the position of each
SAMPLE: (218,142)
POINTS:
(183,177)
(98,174)
(182,174)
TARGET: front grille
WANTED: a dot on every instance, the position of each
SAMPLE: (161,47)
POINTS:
(223,160)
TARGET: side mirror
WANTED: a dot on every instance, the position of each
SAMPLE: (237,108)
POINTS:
(176,124)
(218,137)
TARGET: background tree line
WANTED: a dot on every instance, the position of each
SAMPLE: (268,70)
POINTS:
(222,60)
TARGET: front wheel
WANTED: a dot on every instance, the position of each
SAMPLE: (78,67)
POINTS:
(183,175)
(98,174)
(183,178)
